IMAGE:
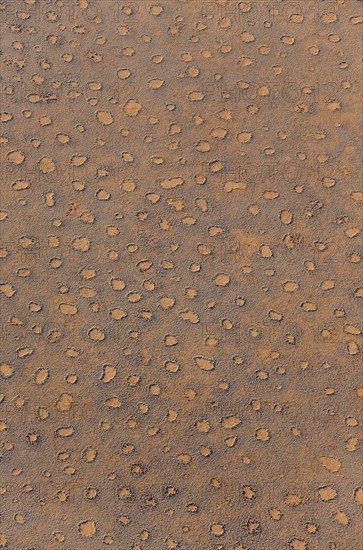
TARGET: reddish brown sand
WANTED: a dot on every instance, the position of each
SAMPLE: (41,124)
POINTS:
(181,275)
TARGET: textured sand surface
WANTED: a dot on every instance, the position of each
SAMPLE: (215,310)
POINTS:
(180,275)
